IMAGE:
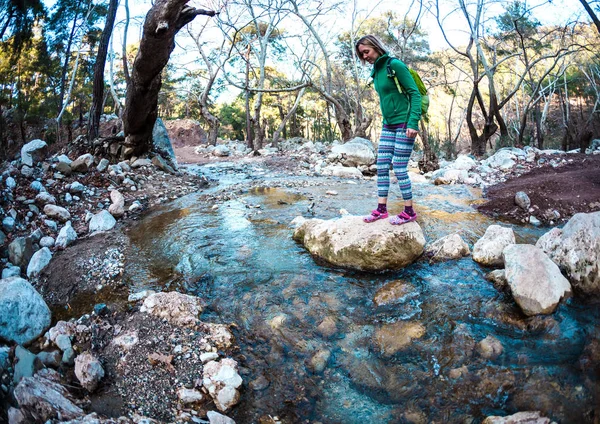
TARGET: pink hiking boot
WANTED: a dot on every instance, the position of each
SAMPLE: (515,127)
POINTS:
(403,218)
(375,215)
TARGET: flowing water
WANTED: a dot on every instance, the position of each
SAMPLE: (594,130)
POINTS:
(316,347)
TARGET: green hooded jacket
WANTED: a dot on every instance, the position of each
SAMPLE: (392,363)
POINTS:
(395,107)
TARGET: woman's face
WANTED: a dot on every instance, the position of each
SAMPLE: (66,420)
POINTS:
(368,53)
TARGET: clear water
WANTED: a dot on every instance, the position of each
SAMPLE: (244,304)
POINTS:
(232,246)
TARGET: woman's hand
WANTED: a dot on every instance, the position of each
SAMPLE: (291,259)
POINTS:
(410,133)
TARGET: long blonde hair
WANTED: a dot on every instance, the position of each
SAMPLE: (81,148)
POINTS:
(370,41)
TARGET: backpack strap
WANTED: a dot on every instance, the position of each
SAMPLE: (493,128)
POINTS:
(392,74)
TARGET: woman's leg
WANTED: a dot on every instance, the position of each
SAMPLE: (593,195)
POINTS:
(385,152)
(402,149)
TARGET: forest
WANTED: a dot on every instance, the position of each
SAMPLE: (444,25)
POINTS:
(262,71)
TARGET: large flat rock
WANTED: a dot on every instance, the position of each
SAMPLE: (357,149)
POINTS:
(349,242)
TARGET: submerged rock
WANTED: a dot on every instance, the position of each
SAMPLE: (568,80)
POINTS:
(392,292)
(393,338)
(536,283)
(349,242)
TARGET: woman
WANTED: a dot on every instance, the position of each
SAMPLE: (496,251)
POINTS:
(401,114)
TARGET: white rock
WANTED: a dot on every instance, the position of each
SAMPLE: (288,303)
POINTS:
(355,152)
(342,171)
(526,417)
(33,152)
(141,162)
(38,262)
(488,249)
(66,236)
(222,380)
(189,395)
(522,200)
(576,249)
(83,163)
(209,356)
(177,308)
(102,165)
(449,247)
(117,208)
(88,371)
(463,162)
(216,418)
(11,271)
(102,221)
(536,283)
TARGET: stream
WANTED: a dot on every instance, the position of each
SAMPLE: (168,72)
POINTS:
(308,331)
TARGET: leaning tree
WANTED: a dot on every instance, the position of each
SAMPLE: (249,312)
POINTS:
(163,22)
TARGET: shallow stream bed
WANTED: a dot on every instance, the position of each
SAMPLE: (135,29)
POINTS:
(315,347)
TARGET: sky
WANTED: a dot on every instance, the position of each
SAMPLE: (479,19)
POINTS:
(454,24)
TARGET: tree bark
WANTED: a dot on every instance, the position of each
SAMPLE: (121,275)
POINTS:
(286,118)
(163,22)
(98,90)
(590,12)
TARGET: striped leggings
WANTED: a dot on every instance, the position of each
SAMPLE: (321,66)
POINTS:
(395,148)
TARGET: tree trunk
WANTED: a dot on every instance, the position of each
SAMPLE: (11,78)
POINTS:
(163,22)
(429,162)
(63,76)
(286,118)
(98,90)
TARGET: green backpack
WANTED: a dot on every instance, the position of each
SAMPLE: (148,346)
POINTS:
(420,85)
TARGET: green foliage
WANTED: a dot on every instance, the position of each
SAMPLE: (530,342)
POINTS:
(233,120)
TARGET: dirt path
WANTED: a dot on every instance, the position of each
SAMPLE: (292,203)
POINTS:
(556,193)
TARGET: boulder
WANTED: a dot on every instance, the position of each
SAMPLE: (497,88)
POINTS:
(20,251)
(44,198)
(102,221)
(88,371)
(42,399)
(450,176)
(463,162)
(24,315)
(449,247)
(33,152)
(576,249)
(522,200)
(351,243)
(536,283)
(161,143)
(117,208)
(355,152)
(177,308)
(222,380)
(502,159)
(83,163)
(488,249)
(221,150)
(38,262)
